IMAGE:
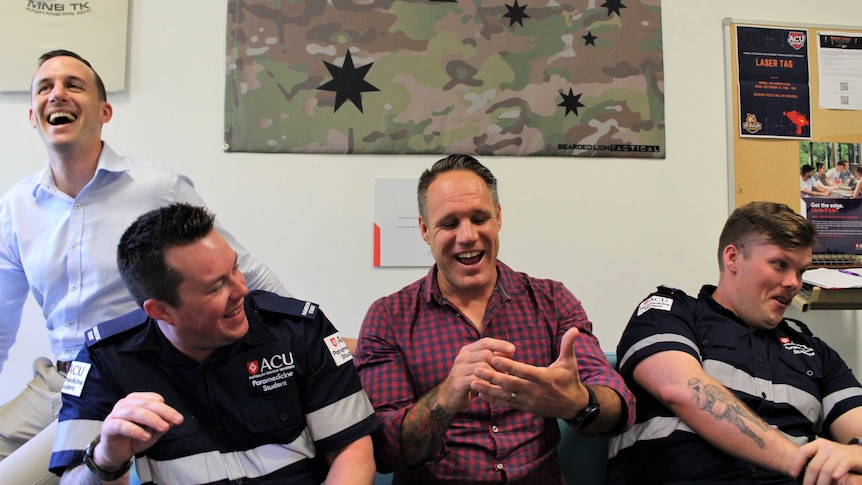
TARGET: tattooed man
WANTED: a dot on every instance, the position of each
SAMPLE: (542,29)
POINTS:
(730,391)
(469,367)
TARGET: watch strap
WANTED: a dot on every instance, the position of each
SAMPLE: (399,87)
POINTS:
(589,413)
(99,472)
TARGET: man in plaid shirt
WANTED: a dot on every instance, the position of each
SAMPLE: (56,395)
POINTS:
(469,367)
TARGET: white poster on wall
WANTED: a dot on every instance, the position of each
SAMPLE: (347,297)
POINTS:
(95,29)
(397,238)
(839,56)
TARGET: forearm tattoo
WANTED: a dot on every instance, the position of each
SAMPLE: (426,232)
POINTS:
(724,406)
(423,429)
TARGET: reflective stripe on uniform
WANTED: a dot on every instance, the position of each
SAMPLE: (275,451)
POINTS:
(737,380)
(75,434)
(657,339)
(338,416)
(655,428)
(213,466)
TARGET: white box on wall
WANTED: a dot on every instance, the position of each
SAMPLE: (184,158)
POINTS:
(95,29)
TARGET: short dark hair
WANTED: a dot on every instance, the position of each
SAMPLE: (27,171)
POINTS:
(141,252)
(842,162)
(819,165)
(765,222)
(100,86)
(454,162)
(805,169)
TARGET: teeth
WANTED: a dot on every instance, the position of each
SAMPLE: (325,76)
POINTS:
(468,255)
(61,116)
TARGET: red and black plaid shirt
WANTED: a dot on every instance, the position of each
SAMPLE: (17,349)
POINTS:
(408,342)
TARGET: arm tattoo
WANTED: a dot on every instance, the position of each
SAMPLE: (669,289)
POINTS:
(423,429)
(724,406)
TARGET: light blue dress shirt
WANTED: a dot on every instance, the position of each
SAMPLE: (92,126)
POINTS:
(63,250)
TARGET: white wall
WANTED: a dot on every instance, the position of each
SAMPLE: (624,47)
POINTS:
(611,230)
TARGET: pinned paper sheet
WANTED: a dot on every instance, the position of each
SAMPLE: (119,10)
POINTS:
(397,239)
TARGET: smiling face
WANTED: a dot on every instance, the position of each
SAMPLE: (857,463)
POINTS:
(66,108)
(462,228)
(760,285)
(210,312)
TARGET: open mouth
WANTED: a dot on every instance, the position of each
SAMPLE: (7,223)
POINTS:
(233,313)
(470,258)
(61,118)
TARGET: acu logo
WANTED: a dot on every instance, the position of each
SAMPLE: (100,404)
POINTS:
(275,362)
(796,39)
(336,340)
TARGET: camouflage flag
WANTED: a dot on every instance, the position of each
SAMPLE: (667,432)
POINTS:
(502,77)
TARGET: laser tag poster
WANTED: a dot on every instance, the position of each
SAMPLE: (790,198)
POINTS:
(774,93)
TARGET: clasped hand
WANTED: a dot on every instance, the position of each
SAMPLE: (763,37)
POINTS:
(829,462)
(487,369)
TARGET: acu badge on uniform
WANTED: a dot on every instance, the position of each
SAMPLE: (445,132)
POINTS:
(655,302)
(338,348)
(76,378)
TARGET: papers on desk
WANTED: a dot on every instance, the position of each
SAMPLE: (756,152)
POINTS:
(833,278)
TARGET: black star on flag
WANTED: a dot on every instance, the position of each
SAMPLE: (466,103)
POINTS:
(590,39)
(571,102)
(516,14)
(348,82)
(614,6)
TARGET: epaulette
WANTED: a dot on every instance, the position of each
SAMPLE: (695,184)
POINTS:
(802,327)
(669,291)
(113,327)
(288,306)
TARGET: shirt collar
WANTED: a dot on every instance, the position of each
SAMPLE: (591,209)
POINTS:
(507,284)
(109,161)
(706,293)
(149,338)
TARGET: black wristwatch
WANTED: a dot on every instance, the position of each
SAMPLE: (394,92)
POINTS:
(589,413)
(102,474)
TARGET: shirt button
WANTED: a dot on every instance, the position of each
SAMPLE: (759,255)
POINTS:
(760,359)
(763,395)
(704,342)
(495,429)
(809,373)
(74,247)
(499,466)
(282,417)
(68,351)
(69,324)
(77,206)
(74,288)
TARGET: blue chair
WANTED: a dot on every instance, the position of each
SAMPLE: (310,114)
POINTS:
(133,476)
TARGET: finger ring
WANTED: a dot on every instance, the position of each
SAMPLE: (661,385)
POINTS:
(513,396)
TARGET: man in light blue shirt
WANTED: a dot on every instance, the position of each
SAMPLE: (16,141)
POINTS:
(58,236)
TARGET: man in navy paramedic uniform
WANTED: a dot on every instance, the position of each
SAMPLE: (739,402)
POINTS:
(208,383)
(727,389)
